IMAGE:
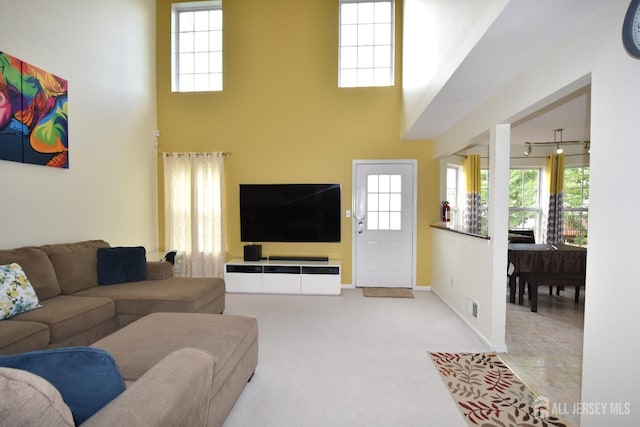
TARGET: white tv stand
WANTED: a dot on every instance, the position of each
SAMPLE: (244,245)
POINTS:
(283,277)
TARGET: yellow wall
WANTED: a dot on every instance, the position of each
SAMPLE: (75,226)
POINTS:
(284,119)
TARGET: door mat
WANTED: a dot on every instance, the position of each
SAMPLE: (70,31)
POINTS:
(489,394)
(387,292)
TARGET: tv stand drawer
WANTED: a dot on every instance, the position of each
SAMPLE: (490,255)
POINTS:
(243,282)
(320,284)
(275,283)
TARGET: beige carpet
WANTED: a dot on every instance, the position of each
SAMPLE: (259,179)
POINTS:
(387,292)
(489,394)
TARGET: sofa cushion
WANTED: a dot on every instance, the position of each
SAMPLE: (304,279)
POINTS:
(176,294)
(225,337)
(33,401)
(159,270)
(75,264)
(16,293)
(121,265)
(38,268)
(70,315)
(18,337)
(87,378)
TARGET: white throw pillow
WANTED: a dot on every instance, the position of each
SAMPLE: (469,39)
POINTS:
(16,293)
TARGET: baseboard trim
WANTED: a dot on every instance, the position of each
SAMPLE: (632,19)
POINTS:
(498,348)
(501,348)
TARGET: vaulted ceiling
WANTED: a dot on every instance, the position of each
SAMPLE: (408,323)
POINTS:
(489,46)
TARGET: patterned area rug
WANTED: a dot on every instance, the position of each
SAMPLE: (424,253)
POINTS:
(488,393)
(387,292)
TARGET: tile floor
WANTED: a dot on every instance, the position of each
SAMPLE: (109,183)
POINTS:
(545,348)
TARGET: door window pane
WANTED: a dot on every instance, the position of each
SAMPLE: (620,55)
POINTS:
(395,202)
(384,202)
(372,184)
(384,183)
(396,183)
(372,221)
(372,202)
(383,219)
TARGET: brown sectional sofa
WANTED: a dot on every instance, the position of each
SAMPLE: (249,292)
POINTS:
(77,311)
(172,377)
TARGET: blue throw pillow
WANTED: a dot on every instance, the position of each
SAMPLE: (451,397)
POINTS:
(87,378)
(121,264)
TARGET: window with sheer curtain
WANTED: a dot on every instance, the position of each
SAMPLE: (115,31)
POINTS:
(193,192)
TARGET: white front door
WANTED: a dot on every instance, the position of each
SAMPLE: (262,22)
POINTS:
(384,212)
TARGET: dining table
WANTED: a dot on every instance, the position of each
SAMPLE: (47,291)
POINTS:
(537,264)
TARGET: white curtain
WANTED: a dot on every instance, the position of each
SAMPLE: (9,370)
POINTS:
(193,194)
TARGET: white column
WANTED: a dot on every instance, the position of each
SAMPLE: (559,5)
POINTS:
(499,152)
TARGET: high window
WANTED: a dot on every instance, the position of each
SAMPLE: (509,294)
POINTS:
(196,40)
(524,199)
(366,43)
(576,205)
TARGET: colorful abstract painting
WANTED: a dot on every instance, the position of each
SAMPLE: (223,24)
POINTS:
(33,114)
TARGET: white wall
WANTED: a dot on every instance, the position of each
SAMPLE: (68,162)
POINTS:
(472,267)
(431,52)
(613,288)
(106,51)
(461,264)
(593,54)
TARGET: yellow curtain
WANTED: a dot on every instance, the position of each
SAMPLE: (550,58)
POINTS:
(471,169)
(555,177)
(555,173)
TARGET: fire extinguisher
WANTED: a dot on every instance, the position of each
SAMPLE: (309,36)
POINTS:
(446,212)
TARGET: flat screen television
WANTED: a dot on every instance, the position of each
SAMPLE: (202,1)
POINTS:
(290,212)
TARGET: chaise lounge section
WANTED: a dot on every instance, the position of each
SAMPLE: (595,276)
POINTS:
(231,341)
